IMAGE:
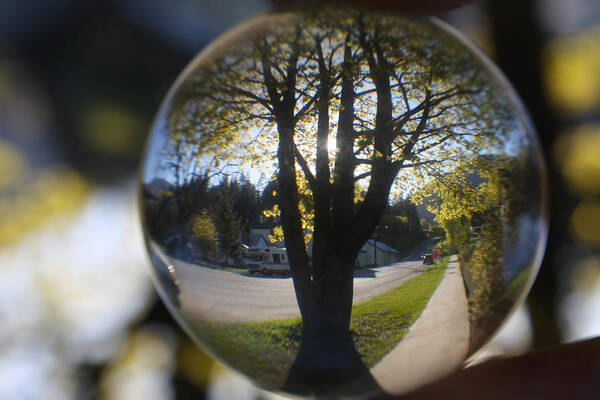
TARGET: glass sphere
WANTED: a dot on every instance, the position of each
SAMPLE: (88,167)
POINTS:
(340,202)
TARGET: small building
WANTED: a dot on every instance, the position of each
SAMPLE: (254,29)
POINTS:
(257,239)
(258,236)
(263,255)
(377,253)
(266,260)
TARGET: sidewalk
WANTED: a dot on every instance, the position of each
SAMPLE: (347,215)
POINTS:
(435,345)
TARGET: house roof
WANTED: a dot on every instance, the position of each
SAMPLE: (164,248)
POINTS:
(382,246)
(260,240)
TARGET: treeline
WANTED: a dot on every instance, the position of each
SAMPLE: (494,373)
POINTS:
(400,226)
(198,221)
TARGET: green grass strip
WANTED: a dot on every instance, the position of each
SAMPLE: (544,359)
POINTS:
(266,350)
(378,324)
(516,285)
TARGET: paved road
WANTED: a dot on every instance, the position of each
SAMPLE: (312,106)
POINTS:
(229,296)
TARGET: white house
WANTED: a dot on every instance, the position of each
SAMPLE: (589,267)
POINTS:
(258,236)
(372,253)
(377,253)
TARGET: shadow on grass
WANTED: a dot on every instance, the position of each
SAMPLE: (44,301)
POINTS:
(265,351)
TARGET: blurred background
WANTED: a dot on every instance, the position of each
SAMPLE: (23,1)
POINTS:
(80,82)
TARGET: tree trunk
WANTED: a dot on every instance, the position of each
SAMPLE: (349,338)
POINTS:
(327,359)
(343,176)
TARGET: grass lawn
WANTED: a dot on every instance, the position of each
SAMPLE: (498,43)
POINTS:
(378,324)
(237,270)
(516,285)
(266,350)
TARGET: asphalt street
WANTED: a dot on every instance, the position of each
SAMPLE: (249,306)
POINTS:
(228,296)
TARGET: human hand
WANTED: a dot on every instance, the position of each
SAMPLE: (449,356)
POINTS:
(567,371)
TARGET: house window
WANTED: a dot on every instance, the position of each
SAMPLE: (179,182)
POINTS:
(276,258)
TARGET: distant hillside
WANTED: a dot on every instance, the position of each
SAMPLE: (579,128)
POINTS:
(156,186)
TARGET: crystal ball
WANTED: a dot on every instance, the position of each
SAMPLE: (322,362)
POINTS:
(341,202)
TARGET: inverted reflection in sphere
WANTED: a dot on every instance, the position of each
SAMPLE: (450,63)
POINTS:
(342,202)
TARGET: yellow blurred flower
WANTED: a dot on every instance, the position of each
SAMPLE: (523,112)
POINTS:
(585,223)
(572,72)
(111,128)
(578,156)
(195,364)
(586,274)
(51,192)
(13,165)
(143,369)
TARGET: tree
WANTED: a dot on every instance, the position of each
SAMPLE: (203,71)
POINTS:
(399,226)
(479,206)
(247,202)
(346,111)
(228,223)
(204,233)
